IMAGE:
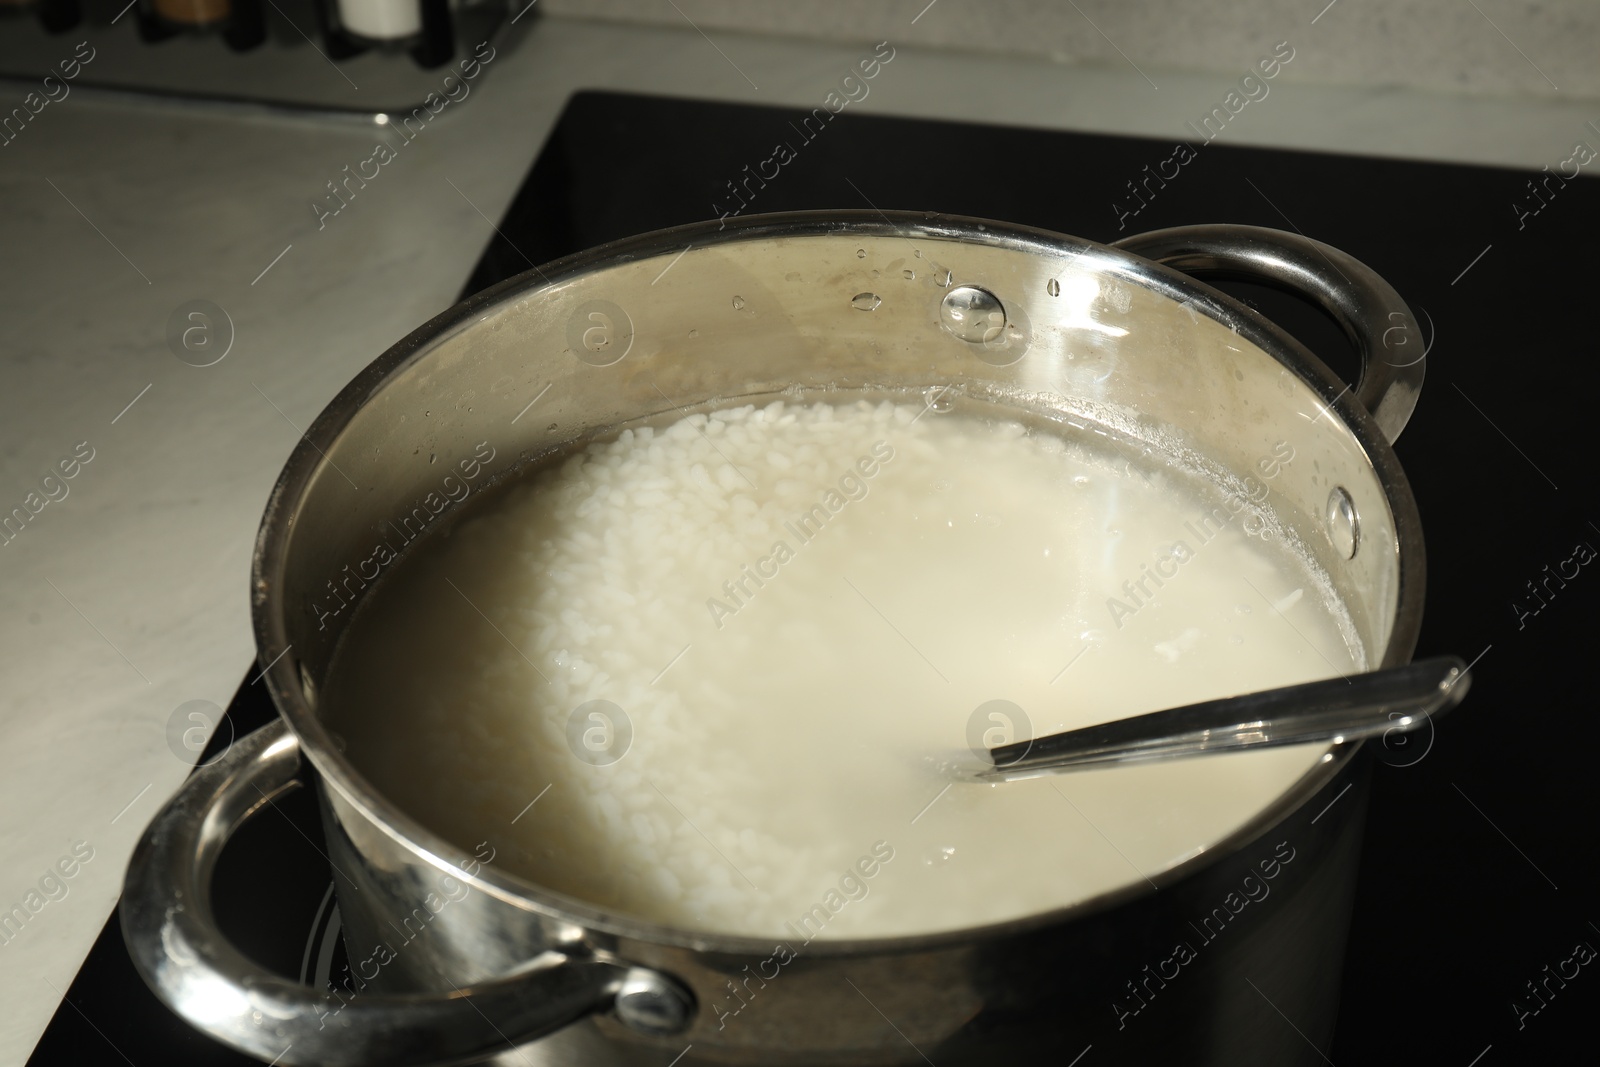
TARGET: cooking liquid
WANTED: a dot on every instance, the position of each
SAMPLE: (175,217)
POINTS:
(798,611)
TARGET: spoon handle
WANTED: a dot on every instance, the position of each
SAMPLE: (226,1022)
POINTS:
(1336,710)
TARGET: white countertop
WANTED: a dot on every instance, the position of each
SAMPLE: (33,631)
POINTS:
(127,598)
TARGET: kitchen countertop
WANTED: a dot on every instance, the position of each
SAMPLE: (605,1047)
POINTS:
(126,599)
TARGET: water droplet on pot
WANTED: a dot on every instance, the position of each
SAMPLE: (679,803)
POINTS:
(1053,287)
(861,253)
(866,301)
(910,275)
(738,303)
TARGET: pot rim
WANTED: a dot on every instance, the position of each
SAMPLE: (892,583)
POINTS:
(270,554)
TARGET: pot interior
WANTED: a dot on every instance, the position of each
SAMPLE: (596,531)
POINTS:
(945,312)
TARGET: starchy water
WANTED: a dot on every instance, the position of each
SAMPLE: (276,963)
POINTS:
(701,673)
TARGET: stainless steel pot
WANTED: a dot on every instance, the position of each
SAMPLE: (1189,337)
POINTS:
(479,961)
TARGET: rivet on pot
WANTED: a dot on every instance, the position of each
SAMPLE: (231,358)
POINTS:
(652,1003)
(1344,525)
(973,314)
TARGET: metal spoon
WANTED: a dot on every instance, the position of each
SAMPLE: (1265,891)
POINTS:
(1338,710)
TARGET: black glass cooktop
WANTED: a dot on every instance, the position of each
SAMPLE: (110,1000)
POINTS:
(1472,930)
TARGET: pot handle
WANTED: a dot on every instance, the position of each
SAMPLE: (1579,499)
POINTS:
(173,938)
(1371,314)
